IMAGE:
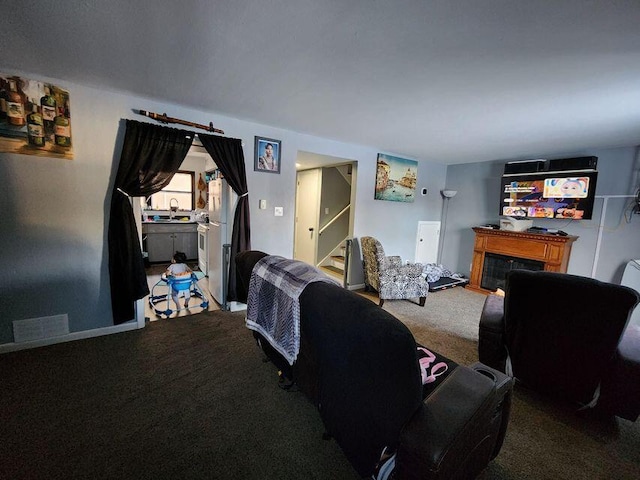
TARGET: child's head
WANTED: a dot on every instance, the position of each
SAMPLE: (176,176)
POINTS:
(572,188)
(179,257)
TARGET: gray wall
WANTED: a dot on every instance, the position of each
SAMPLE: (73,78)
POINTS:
(335,194)
(53,234)
(478,200)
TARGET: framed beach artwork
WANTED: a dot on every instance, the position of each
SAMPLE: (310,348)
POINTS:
(396,179)
(35,118)
(267,155)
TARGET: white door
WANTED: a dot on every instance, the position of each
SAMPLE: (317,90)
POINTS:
(427,242)
(307,216)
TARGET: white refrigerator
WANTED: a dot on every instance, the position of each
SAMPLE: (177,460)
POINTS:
(221,204)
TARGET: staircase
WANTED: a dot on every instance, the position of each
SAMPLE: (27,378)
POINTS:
(332,251)
(334,267)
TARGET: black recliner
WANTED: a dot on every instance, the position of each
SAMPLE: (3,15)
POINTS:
(567,336)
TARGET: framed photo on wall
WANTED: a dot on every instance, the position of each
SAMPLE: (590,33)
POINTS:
(267,155)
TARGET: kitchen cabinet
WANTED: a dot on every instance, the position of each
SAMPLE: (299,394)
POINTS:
(163,239)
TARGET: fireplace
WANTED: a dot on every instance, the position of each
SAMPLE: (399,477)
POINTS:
(496,267)
(495,252)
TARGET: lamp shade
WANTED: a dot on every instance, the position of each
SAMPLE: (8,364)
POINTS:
(449,193)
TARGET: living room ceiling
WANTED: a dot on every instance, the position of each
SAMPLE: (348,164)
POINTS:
(446,81)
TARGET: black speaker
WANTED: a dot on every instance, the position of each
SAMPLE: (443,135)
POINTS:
(576,163)
(528,166)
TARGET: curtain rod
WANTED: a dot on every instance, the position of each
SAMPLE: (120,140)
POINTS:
(164,119)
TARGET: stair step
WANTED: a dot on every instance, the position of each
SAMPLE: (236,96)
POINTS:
(337,258)
(333,270)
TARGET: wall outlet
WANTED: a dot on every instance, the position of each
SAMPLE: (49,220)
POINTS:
(278,211)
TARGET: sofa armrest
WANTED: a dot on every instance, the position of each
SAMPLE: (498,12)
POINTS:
(491,347)
(492,316)
(458,428)
(620,388)
(392,261)
(245,261)
(413,270)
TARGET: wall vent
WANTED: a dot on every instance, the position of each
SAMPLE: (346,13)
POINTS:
(32,329)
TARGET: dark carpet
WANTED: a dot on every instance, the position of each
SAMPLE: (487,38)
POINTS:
(191,398)
(183,398)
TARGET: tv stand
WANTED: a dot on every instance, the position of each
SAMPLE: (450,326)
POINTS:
(551,252)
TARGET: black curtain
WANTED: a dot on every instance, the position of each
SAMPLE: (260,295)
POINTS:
(229,157)
(151,154)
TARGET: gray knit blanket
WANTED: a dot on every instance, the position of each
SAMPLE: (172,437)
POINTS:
(273,308)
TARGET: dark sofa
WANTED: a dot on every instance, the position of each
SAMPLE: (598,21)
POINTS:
(359,366)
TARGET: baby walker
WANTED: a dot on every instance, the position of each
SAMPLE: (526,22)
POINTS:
(160,297)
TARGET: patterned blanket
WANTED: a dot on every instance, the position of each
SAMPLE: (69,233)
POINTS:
(434,272)
(273,309)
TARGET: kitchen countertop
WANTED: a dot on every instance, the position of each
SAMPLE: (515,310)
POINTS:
(165,222)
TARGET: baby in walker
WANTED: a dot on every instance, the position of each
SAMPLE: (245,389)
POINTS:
(179,270)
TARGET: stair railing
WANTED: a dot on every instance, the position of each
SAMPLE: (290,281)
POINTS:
(334,219)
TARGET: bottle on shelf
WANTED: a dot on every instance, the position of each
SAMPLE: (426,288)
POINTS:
(48,110)
(4,94)
(15,105)
(62,128)
(35,128)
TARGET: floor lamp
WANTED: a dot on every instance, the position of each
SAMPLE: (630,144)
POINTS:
(446,195)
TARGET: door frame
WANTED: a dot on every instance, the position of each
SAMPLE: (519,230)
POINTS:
(311,161)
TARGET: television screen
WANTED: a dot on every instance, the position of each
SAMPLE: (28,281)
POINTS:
(566,195)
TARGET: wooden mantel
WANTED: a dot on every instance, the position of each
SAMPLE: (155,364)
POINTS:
(552,250)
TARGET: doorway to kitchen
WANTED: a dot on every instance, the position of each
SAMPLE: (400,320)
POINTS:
(181,230)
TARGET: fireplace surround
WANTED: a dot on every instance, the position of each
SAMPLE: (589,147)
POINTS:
(497,251)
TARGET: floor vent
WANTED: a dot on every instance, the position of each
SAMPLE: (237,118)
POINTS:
(39,328)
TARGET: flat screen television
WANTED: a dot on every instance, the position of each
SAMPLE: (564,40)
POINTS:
(563,194)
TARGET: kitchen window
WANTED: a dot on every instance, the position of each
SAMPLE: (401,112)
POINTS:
(181,188)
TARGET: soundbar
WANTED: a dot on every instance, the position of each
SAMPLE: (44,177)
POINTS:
(554,165)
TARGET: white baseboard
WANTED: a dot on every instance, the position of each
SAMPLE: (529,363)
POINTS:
(95,332)
(236,306)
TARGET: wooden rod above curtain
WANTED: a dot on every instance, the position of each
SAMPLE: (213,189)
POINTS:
(164,119)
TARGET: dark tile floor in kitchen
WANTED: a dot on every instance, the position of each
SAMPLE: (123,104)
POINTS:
(154,273)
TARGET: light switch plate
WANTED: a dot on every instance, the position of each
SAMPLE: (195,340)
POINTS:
(278,211)
(263,205)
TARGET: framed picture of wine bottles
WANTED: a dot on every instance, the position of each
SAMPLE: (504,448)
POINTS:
(35,118)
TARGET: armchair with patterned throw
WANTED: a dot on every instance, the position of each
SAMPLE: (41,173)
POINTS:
(567,336)
(389,277)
